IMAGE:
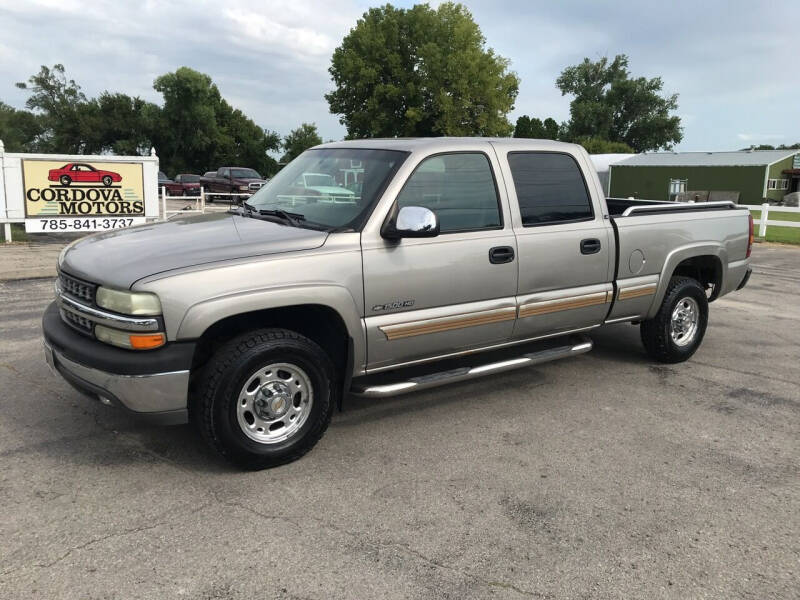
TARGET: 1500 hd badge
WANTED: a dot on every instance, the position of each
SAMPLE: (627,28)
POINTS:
(393,305)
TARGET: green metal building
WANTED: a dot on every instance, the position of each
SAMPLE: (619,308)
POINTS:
(757,175)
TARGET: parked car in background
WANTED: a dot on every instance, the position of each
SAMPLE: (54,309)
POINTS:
(232,180)
(189,182)
(173,189)
(82,173)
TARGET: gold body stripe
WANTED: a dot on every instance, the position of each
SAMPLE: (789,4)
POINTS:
(549,306)
(436,325)
(636,291)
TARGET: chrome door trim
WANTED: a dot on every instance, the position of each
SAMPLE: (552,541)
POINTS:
(475,350)
(636,291)
(558,304)
(439,324)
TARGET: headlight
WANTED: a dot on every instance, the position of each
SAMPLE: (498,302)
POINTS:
(243,188)
(128,303)
(126,339)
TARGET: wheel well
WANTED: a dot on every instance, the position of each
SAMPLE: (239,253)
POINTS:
(319,323)
(706,269)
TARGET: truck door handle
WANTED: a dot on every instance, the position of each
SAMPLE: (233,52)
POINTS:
(590,246)
(501,254)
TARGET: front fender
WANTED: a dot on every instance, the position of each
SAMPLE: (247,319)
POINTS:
(199,317)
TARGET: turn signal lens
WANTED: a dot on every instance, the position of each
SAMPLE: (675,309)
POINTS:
(750,237)
(147,342)
(126,339)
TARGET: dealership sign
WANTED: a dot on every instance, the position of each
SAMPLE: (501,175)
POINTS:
(82,196)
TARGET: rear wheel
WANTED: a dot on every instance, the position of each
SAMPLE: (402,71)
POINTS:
(677,330)
(265,398)
(65,180)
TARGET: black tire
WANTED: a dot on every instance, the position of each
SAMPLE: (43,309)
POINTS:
(215,404)
(65,180)
(107,181)
(656,333)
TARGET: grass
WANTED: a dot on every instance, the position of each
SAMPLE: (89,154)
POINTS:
(783,235)
(17,232)
(777,215)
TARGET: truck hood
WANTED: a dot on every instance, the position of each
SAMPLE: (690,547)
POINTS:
(120,258)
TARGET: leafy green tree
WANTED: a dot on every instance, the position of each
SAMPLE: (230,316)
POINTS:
(19,129)
(197,129)
(60,105)
(242,142)
(299,140)
(187,132)
(601,146)
(420,72)
(125,124)
(609,104)
(528,127)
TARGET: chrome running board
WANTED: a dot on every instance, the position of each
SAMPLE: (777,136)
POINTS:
(580,345)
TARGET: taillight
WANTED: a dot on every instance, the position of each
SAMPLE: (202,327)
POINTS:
(750,237)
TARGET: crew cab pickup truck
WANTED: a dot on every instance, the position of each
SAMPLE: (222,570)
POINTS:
(458,258)
(232,180)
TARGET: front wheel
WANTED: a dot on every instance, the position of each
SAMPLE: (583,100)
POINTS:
(107,181)
(677,330)
(265,398)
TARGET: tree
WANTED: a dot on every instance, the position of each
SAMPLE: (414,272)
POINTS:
(60,105)
(196,129)
(601,146)
(528,127)
(611,105)
(420,72)
(19,129)
(125,124)
(299,140)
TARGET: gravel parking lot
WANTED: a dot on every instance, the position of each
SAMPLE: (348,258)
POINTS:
(602,476)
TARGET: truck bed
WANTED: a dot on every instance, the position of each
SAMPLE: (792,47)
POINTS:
(625,207)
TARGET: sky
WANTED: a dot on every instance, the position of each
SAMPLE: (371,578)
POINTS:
(733,63)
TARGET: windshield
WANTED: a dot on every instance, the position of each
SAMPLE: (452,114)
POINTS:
(332,187)
(190,178)
(245,174)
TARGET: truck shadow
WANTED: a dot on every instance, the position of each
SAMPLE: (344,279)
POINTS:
(112,438)
(617,343)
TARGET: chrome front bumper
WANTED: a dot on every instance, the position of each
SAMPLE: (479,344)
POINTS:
(160,397)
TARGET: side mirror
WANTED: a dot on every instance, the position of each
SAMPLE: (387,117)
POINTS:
(411,222)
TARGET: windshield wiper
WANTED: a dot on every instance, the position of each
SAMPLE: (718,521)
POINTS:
(292,218)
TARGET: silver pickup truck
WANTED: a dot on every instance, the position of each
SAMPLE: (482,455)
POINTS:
(441,260)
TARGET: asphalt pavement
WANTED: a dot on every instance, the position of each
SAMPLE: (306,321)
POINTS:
(600,476)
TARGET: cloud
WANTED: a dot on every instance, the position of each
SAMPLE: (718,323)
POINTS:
(751,137)
(270,58)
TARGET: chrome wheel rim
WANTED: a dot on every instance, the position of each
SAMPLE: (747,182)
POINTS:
(683,325)
(274,403)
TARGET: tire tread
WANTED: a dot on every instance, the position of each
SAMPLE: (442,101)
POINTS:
(212,377)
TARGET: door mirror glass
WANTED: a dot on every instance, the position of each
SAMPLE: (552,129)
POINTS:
(412,222)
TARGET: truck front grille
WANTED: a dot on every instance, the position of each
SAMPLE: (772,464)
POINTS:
(77,288)
(256,185)
(78,322)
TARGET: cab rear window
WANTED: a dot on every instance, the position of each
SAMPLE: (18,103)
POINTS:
(550,188)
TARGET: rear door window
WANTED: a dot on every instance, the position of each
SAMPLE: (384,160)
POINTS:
(550,188)
(459,188)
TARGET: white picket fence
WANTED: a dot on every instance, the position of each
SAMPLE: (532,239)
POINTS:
(763,221)
(199,204)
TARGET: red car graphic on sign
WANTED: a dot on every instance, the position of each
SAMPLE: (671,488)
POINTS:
(82,173)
